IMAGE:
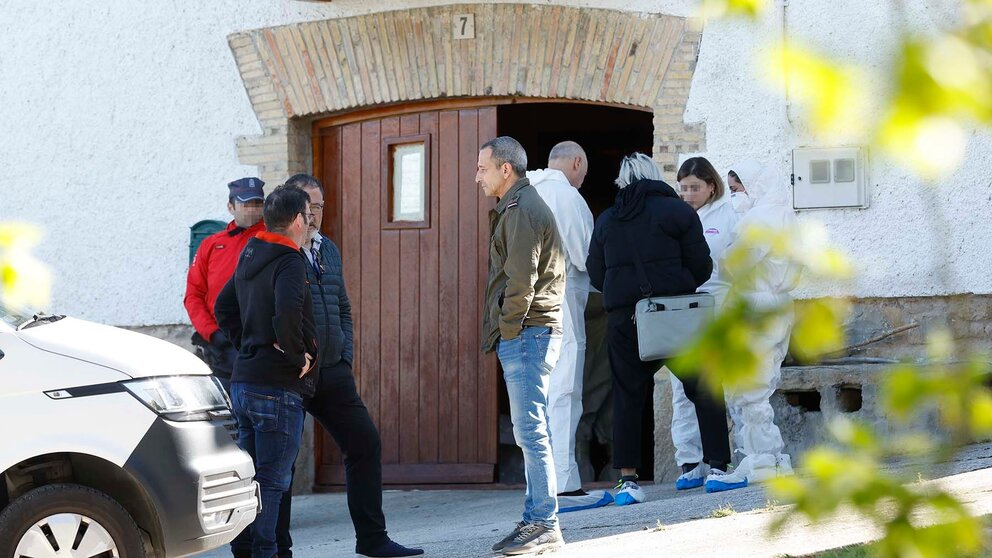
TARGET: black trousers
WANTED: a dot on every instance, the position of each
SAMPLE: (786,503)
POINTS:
(633,382)
(338,407)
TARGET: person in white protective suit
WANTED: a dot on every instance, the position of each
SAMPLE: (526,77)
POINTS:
(739,198)
(558,186)
(703,189)
(762,197)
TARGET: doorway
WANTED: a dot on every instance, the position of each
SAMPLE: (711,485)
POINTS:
(412,228)
(607,134)
(415,265)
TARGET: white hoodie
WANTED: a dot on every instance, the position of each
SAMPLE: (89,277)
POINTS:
(747,171)
(574,222)
(720,230)
(776,277)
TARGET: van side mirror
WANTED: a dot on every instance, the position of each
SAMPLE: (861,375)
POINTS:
(1,353)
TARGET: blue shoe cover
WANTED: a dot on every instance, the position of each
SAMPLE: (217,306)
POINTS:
(713,485)
(688,484)
(588,502)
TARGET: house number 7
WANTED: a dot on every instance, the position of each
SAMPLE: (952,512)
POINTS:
(464,26)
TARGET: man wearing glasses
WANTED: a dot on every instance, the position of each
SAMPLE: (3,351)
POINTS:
(336,404)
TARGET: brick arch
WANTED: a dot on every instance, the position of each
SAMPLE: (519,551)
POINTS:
(296,73)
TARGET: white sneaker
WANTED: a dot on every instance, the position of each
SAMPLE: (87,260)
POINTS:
(629,493)
(720,481)
(693,479)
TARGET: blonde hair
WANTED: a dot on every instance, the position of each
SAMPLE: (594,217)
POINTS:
(637,166)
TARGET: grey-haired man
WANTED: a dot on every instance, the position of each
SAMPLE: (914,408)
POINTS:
(522,322)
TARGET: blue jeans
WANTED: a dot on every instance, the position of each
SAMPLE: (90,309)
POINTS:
(527,364)
(270,426)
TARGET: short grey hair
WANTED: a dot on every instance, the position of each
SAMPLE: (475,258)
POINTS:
(637,166)
(567,150)
(508,150)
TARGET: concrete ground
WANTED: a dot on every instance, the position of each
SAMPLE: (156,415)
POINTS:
(465,523)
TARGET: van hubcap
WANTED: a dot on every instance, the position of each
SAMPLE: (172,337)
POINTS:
(67,535)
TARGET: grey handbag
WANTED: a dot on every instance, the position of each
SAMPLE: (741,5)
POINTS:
(666,324)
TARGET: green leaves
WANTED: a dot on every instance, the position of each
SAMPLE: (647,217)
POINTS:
(958,392)
(819,328)
(727,353)
(916,519)
(939,86)
(934,99)
(830,91)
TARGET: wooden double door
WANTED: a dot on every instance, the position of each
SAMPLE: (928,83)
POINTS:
(416,288)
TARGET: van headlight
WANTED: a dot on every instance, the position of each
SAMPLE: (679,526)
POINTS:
(180,398)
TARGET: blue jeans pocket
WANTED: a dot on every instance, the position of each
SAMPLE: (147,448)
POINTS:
(544,332)
(263,410)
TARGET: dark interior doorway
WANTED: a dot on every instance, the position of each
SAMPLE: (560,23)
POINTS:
(607,134)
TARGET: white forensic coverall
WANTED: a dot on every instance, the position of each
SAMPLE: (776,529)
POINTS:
(719,228)
(755,433)
(575,225)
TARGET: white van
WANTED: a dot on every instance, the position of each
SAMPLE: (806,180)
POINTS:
(113,444)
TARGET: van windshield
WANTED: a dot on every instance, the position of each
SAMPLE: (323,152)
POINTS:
(13,317)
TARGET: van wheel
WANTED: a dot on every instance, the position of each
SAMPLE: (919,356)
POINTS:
(68,520)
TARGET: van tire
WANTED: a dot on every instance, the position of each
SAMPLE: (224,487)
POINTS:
(52,499)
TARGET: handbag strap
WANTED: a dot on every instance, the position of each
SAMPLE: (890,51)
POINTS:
(646,289)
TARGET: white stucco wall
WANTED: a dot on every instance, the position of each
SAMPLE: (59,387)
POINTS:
(119,120)
(916,238)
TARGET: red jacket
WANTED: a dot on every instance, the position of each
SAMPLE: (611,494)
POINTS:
(211,269)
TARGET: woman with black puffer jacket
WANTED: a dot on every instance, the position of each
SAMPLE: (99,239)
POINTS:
(649,222)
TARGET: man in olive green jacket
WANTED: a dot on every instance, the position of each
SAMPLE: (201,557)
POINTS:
(522,322)
(526,266)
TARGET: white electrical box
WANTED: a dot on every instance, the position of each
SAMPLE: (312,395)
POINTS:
(829,177)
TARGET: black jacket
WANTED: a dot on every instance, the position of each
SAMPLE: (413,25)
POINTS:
(267,301)
(669,239)
(331,307)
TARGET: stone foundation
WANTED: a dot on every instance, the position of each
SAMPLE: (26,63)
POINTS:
(968,317)
(807,400)
(809,397)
